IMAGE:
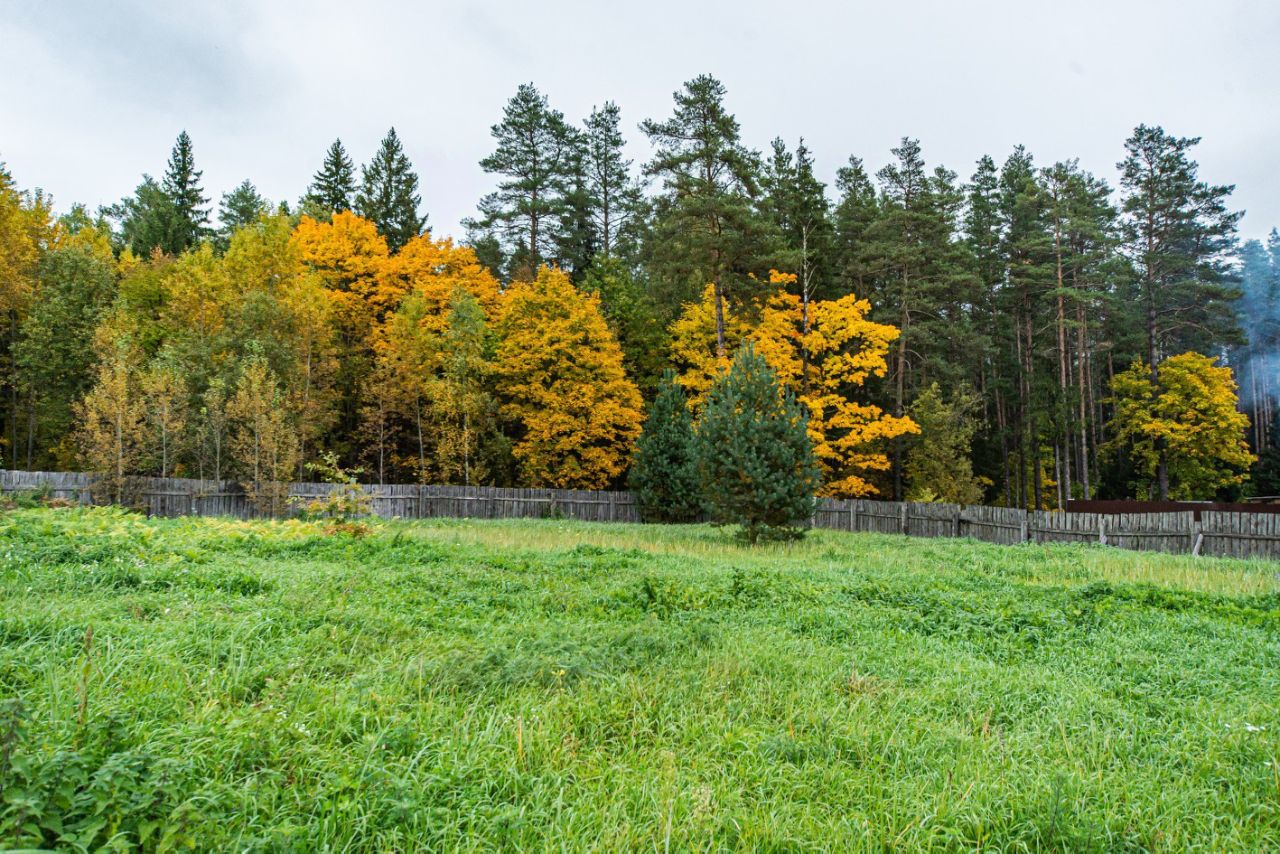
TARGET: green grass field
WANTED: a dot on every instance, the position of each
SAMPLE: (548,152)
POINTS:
(554,685)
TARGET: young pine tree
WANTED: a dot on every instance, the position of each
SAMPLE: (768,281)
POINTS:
(664,476)
(755,460)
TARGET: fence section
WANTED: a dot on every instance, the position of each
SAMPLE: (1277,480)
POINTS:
(1204,532)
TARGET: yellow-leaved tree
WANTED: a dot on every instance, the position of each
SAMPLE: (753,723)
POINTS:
(112,415)
(350,257)
(823,368)
(263,441)
(1189,413)
(562,386)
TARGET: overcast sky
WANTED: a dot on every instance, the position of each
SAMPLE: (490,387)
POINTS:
(94,93)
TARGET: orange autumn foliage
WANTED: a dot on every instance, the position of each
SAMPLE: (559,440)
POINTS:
(434,269)
(560,376)
(350,257)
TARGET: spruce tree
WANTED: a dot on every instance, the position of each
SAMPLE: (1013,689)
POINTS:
(388,196)
(333,188)
(755,459)
(181,185)
(664,475)
(242,206)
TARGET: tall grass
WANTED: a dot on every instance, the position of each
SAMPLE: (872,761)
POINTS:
(461,684)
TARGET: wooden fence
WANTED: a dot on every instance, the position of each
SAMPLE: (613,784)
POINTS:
(1204,532)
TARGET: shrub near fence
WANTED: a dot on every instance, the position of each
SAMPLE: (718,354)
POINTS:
(1214,533)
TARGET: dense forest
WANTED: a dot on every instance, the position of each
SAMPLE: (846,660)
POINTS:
(1019,336)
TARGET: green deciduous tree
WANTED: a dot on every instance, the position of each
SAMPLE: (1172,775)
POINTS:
(1180,425)
(938,466)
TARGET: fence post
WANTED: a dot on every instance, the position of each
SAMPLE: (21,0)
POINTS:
(1024,530)
(853,514)
(955,521)
(1102,530)
(902,517)
(1197,537)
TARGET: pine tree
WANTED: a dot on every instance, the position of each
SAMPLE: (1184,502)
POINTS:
(923,281)
(754,458)
(242,206)
(856,210)
(388,196)
(613,192)
(190,210)
(796,202)
(664,475)
(1026,249)
(535,161)
(705,227)
(333,188)
(1179,236)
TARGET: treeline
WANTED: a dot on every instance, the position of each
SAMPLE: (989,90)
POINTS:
(1022,336)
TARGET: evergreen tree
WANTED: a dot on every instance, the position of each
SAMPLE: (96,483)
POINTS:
(796,202)
(1179,236)
(190,210)
(664,475)
(857,209)
(613,192)
(242,206)
(705,226)
(923,279)
(755,459)
(536,162)
(333,188)
(147,220)
(634,319)
(1025,247)
(388,196)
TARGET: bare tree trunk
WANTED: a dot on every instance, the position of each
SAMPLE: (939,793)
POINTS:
(1080,370)
(719,296)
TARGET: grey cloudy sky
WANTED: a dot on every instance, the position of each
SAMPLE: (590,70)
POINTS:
(94,93)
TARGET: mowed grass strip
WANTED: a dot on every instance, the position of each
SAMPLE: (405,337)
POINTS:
(537,685)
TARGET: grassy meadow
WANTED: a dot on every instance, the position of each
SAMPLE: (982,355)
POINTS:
(550,685)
